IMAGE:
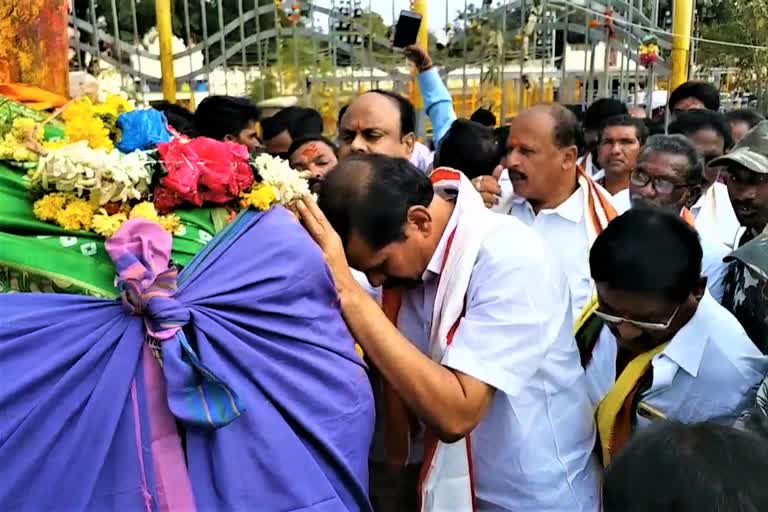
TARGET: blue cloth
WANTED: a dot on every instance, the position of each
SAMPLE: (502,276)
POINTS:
(142,129)
(264,318)
(438,103)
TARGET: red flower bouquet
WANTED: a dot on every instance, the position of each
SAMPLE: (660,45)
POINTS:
(201,170)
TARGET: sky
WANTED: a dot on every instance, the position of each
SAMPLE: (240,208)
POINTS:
(435,18)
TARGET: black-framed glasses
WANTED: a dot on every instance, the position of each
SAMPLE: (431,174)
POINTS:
(660,184)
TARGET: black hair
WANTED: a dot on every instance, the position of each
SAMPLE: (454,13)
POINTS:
(567,128)
(483,116)
(297,143)
(676,145)
(602,109)
(648,250)
(219,116)
(342,111)
(180,118)
(673,467)
(502,136)
(745,115)
(370,195)
(692,121)
(470,148)
(702,91)
(641,130)
(297,121)
(407,112)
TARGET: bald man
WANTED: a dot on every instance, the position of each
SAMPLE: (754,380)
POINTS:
(545,188)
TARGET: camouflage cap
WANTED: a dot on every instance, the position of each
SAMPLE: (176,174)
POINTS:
(751,151)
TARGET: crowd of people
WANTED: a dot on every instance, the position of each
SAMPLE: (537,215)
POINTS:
(564,313)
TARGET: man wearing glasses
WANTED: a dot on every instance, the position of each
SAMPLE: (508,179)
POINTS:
(669,176)
(666,348)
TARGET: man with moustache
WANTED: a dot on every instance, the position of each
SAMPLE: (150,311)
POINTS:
(668,350)
(477,340)
(545,188)
(747,280)
(621,138)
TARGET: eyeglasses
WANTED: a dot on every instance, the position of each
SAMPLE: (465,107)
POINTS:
(646,326)
(661,185)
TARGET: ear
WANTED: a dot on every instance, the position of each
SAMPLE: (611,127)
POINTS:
(409,141)
(694,193)
(570,157)
(700,289)
(420,219)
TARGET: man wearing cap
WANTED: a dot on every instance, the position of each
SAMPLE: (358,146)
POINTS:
(746,283)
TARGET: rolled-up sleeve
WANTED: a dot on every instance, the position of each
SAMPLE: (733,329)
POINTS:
(438,103)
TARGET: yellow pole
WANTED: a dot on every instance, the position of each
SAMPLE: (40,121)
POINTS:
(420,7)
(165,36)
(682,25)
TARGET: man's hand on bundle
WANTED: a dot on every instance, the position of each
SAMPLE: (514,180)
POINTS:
(318,227)
(489,187)
(419,57)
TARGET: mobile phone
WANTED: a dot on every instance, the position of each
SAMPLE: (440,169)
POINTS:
(407,29)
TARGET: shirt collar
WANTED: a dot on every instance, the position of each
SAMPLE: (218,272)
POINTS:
(687,347)
(436,262)
(572,209)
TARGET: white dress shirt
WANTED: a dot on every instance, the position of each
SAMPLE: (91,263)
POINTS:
(533,450)
(709,371)
(715,217)
(713,251)
(565,232)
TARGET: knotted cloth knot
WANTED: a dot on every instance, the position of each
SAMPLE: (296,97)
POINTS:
(141,251)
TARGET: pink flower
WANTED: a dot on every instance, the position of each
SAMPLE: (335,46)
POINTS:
(201,171)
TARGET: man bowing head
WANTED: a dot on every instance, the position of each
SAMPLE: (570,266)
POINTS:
(476,340)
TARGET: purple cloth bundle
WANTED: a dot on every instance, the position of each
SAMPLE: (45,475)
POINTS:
(275,403)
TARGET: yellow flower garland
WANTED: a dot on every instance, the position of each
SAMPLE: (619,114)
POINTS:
(260,196)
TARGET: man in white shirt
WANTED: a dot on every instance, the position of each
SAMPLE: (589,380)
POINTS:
(510,374)
(668,350)
(709,133)
(544,188)
(668,176)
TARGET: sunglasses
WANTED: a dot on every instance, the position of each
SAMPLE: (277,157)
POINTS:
(646,326)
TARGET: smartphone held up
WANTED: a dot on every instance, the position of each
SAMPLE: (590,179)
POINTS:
(406,29)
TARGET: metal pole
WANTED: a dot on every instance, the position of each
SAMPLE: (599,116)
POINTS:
(544,29)
(116,41)
(682,21)
(244,60)
(563,74)
(259,55)
(521,90)
(95,38)
(587,51)
(204,20)
(464,66)
(332,31)
(188,33)
(279,49)
(136,43)
(370,40)
(223,43)
(502,64)
(315,70)
(164,36)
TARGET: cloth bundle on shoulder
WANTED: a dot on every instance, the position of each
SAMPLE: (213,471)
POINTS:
(257,365)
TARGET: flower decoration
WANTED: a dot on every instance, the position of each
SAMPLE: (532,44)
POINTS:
(289,185)
(81,122)
(23,142)
(95,174)
(66,210)
(106,224)
(201,171)
(261,197)
(649,51)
